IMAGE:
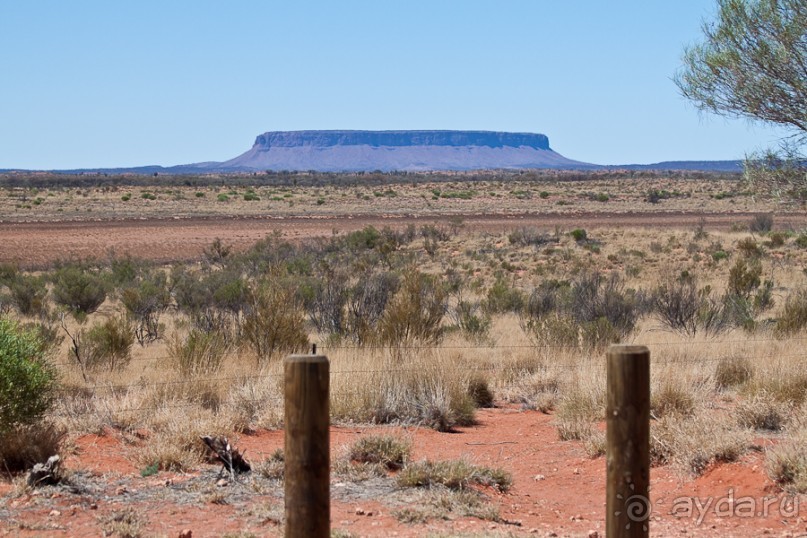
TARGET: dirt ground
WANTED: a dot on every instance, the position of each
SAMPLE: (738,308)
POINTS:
(558,491)
(33,244)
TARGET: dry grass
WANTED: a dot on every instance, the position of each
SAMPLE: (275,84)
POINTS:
(454,475)
(726,383)
(786,463)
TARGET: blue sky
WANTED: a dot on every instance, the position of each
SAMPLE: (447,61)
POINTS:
(105,84)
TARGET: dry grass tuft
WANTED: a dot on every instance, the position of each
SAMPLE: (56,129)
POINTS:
(763,412)
(732,372)
(125,523)
(24,446)
(694,443)
(454,474)
(388,451)
(786,463)
(444,504)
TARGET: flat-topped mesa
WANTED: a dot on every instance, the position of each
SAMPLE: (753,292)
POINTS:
(324,139)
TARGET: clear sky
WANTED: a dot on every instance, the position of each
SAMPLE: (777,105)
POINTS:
(103,83)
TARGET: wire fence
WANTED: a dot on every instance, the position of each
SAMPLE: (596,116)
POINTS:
(93,397)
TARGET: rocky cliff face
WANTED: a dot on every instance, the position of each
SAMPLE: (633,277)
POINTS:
(336,151)
(324,139)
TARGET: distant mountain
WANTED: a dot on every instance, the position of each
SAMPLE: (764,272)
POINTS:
(702,166)
(350,151)
(389,151)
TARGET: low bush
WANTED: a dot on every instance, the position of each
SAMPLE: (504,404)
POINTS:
(732,372)
(786,463)
(107,345)
(415,313)
(760,223)
(455,474)
(199,353)
(25,445)
(27,380)
(78,290)
(391,452)
(275,321)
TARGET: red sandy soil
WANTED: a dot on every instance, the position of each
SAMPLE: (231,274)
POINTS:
(557,489)
(33,244)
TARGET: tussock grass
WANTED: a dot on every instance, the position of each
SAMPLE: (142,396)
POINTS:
(386,450)
(786,463)
(24,446)
(445,504)
(454,474)
(694,443)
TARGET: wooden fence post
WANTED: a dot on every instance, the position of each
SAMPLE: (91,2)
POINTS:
(627,503)
(307,447)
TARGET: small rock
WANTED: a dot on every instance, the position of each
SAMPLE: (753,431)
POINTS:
(54,513)
(593,534)
(359,511)
(93,506)
(539,477)
(576,471)
(169,482)
(222,482)
(186,533)
(576,517)
(369,513)
(120,490)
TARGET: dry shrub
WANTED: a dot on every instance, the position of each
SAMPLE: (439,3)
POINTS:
(23,446)
(794,316)
(175,440)
(424,386)
(671,397)
(480,392)
(126,523)
(732,372)
(453,474)
(576,415)
(786,384)
(275,321)
(199,353)
(786,463)
(415,313)
(763,412)
(253,403)
(441,503)
(387,450)
(273,467)
(694,443)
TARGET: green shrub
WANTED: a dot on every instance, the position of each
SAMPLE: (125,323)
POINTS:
(250,196)
(144,302)
(28,295)
(222,198)
(502,297)
(27,381)
(107,345)
(456,474)
(579,235)
(126,197)
(78,290)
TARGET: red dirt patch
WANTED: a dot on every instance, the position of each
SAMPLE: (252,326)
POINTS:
(556,488)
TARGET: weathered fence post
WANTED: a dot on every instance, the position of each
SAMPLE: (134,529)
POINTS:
(627,503)
(307,451)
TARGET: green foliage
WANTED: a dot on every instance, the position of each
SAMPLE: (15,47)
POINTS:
(250,196)
(751,63)
(28,294)
(78,290)
(454,474)
(27,381)
(222,197)
(502,297)
(579,235)
(107,345)
(744,277)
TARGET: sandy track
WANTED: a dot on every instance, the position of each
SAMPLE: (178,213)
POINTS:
(32,244)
